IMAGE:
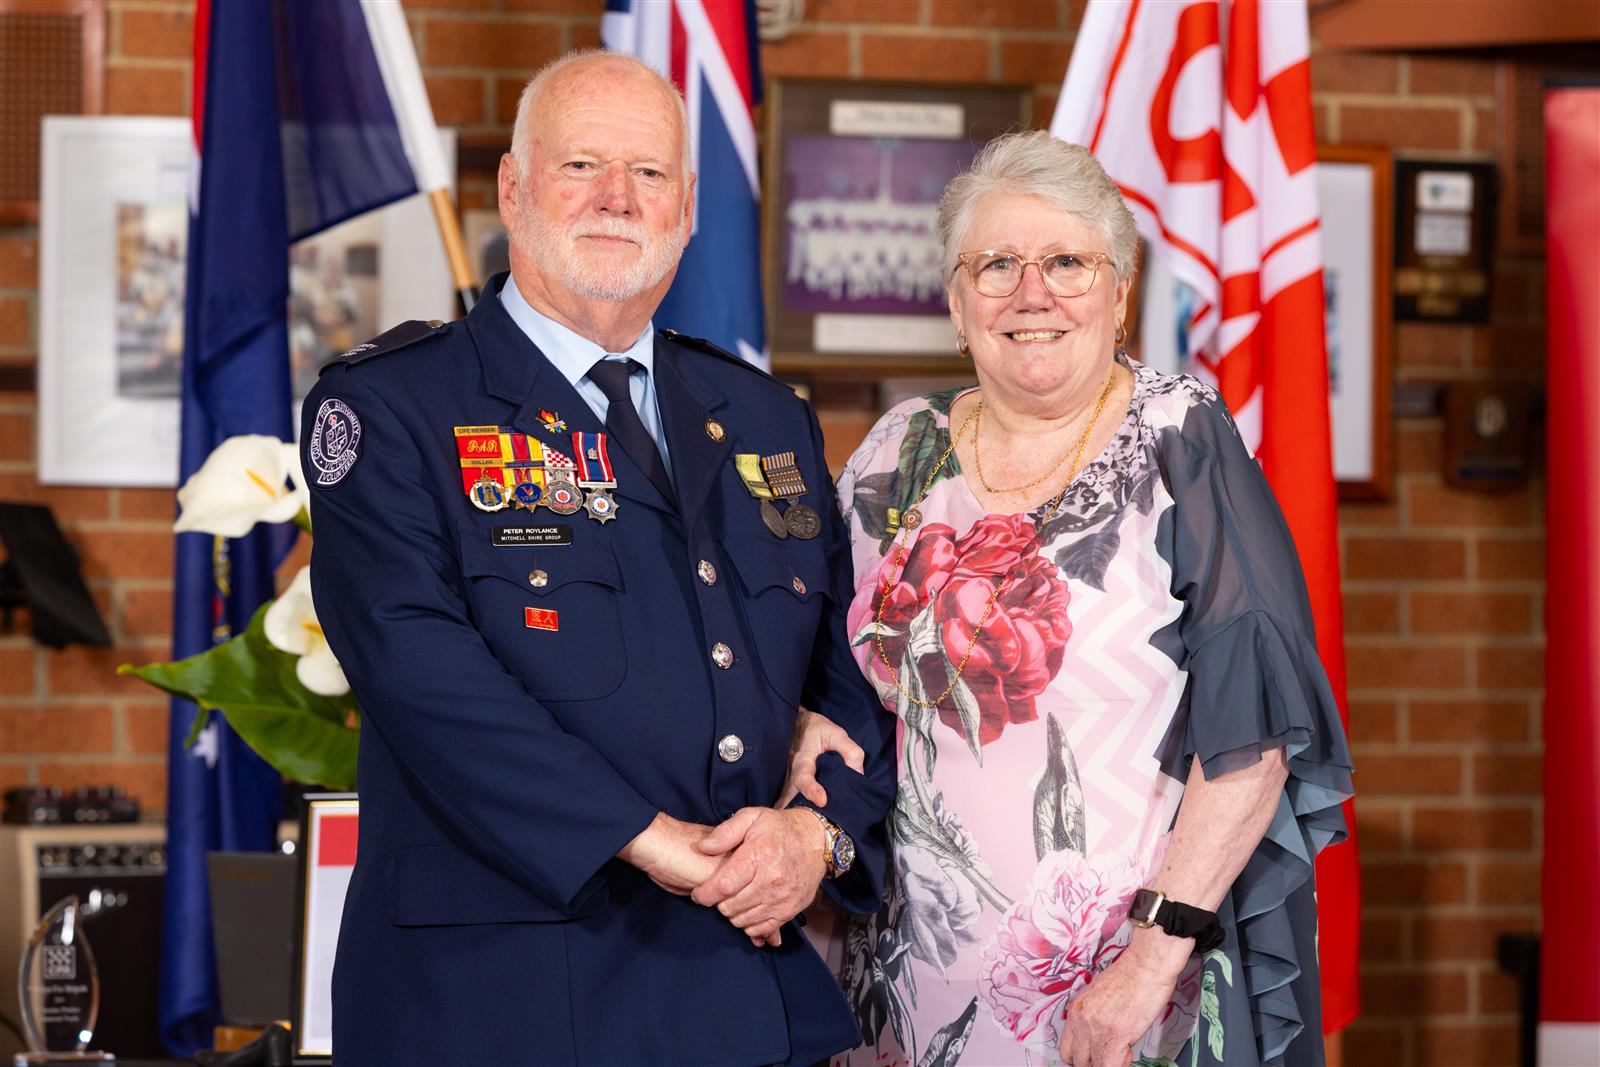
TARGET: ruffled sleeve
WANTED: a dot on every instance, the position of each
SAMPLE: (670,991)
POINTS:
(1255,683)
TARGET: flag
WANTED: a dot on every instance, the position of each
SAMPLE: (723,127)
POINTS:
(1569,985)
(294,132)
(707,48)
(1214,149)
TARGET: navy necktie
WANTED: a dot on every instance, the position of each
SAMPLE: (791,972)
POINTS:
(623,422)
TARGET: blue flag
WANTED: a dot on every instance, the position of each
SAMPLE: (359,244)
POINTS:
(294,133)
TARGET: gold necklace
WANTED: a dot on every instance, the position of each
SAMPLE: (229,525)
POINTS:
(977,443)
(913,518)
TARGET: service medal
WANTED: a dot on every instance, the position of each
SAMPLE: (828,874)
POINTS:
(562,495)
(774,520)
(802,522)
(488,494)
(600,505)
(527,495)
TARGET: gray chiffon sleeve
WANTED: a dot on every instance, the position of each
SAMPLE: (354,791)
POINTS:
(1247,639)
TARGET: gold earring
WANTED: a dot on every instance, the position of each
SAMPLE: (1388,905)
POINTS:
(1122,335)
(962,348)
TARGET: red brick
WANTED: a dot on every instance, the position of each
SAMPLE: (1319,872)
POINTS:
(1404,883)
(807,55)
(16,437)
(146,91)
(1414,993)
(144,779)
(1362,516)
(1382,940)
(1410,775)
(165,34)
(1379,827)
(14,329)
(903,11)
(1510,668)
(551,7)
(1462,828)
(14,774)
(456,101)
(1405,558)
(1367,1042)
(1001,14)
(19,260)
(146,612)
(1432,344)
(1392,666)
(1498,992)
(1322,122)
(1508,774)
(79,669)
(69,503)
(507,92)
(1374,721)
(1469,720)
(1467,1044)
(1508,881)
(153,505)
(57,728)
(125,553)
(1337,71)
(1371,613)
(502,44)
(1439,505)
(1431,75)
(1401,127)
(1510,559)
(1464,937)
(414,6)
(1044,107)
(961,59)
(146,726)
(1471,613)
(1518,291)
(17,669)
(586,35)
(1033,62)
(1419,449)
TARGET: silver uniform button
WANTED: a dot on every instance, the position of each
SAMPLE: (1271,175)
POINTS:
(799,586)
(722,655)
(731,749)
(538,579)
(707,572)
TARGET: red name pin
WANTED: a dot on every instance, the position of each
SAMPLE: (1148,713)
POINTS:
(540,619)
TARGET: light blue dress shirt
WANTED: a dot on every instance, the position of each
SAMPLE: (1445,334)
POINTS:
(574,354)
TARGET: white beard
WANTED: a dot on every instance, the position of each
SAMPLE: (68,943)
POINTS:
(557,254)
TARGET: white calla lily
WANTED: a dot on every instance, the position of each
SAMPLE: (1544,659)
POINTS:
(244,481)
(291,625)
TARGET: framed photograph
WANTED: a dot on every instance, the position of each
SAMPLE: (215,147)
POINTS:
(113,237)
(328,832)
(1353,185)
(853,178)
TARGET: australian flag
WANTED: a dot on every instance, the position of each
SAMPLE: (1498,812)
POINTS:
(709,51)
(294,132)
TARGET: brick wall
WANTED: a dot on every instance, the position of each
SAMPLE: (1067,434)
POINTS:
(1444,588)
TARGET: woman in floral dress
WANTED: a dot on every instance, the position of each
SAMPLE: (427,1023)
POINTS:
(1076,592)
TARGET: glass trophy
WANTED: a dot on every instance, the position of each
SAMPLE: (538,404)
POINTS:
(59,989)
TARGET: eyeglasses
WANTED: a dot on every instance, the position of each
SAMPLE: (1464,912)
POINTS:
(995,272)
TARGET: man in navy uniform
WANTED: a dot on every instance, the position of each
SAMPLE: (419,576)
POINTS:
(581,573)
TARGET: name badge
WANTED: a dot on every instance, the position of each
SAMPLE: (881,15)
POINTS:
(522,536)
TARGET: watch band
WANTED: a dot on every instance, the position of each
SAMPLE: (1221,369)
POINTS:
(1151,907)
(831,849)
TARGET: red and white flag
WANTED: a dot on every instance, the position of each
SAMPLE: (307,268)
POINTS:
(1214,148)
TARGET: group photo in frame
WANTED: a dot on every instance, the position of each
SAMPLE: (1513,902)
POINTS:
(114,214)
(853,176)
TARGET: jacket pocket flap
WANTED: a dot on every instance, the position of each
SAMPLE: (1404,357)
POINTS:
(439,885)
(541,571)
(801,572)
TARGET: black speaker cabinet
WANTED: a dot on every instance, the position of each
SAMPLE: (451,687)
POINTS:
(125,865)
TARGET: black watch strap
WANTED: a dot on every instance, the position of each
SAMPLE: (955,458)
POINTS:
(1151,908)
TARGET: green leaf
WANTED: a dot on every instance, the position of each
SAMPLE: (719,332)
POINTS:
(925,442)
(1224,964)
(302,734)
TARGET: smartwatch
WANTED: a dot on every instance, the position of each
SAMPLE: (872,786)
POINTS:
(1151,907)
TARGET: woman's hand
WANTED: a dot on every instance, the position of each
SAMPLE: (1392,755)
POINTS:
(815,734)
(1121,1005)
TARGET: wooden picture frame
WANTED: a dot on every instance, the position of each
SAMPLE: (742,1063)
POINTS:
(853,174)
(327,855)
(1356,186)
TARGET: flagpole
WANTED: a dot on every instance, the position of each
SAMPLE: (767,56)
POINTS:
(455,249)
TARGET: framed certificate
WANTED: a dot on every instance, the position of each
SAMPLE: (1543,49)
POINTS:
(328,829)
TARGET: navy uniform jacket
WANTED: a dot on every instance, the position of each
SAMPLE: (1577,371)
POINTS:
(502,765)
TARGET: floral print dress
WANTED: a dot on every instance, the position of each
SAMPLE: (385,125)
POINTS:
(1160,615)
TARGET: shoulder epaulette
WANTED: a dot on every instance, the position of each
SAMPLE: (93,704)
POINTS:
(700,344)
(402,336)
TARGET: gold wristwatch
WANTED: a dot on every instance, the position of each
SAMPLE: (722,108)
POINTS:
(840,852)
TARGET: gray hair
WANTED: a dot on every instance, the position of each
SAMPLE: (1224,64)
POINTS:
(522,134)
(1066,176)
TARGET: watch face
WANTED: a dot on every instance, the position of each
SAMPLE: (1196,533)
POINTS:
(844,852)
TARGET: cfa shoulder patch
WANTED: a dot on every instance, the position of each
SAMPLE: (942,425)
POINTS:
(402,336)
(335,443)
(700,344)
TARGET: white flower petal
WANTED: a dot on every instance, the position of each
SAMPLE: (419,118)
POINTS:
(244,481)
(319,671)
(286,620)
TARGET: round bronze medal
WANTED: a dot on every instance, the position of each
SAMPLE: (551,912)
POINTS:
(911,519)
(802,522)
(773,519)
